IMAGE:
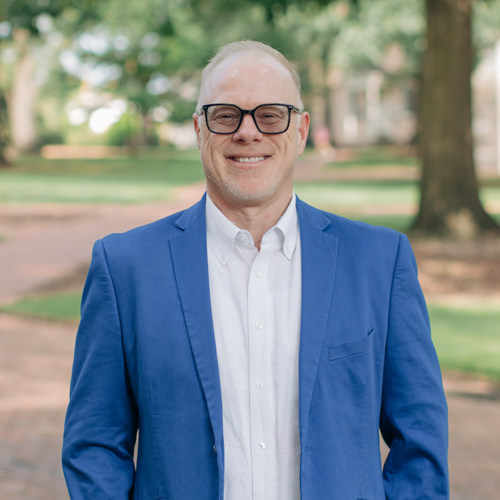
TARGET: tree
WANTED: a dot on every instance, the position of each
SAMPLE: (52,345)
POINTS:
(3,129)
(449,203)
(26,21)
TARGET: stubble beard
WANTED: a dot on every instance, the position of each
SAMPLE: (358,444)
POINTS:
(234,191)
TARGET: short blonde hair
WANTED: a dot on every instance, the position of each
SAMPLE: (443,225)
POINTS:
(233,48)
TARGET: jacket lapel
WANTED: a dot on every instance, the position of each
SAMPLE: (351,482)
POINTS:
(189,255)
(319,255)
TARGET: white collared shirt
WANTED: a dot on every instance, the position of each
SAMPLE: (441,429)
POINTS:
(256,305)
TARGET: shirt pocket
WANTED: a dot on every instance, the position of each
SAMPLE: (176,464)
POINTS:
(351,348)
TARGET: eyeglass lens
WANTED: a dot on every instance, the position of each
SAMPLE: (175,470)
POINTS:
(226,118)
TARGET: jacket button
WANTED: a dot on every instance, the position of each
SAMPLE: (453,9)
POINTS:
(215,448)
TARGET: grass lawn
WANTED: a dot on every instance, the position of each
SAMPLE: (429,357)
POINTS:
(466,340)
(346,198)
(149,177)
(377,156)
(358,193)
(53,306)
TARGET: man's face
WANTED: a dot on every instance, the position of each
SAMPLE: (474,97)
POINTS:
(249,168)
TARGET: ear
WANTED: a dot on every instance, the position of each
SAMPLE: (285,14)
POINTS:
(196,123)
(303,131)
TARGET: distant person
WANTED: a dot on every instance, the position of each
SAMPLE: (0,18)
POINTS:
(322,143)
(255,343)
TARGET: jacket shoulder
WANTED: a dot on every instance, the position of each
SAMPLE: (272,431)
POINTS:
(348,229)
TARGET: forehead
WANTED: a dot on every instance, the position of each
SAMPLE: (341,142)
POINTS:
(249,79)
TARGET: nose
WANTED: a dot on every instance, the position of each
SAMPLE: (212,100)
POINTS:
(248,130)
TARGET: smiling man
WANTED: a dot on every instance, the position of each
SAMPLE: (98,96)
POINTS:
(257,344)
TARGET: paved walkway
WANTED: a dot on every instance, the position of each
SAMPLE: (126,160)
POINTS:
(45,242)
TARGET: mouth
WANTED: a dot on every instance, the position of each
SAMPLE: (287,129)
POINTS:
(247,159)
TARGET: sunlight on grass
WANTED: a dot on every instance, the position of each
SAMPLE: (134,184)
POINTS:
(376,157)
(335,194)
(54,306)
(112,180)
(401,223)
(467,339)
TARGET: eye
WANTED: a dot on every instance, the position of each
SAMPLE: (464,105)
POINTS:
(224,114)
(271,114)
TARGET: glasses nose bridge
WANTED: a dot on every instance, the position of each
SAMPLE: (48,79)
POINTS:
(250,112)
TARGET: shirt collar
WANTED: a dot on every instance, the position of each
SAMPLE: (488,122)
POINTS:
(222,233)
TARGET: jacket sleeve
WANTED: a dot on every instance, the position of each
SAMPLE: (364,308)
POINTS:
(414,421)
(101,421)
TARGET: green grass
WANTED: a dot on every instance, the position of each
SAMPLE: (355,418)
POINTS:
(376,157)
(150,177)
(52,306)
(358,193)
(401,223)
(467,339)
(155,173)
(490,193)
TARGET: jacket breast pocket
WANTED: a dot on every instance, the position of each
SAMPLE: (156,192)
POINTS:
(351,348)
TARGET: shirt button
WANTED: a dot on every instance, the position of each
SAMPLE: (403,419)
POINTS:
(241,238)
(258,274)
(259,385)
(262,446)
(258,326)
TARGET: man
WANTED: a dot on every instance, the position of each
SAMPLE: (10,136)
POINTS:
(255,343)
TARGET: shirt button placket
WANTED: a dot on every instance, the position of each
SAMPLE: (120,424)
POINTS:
(257,339)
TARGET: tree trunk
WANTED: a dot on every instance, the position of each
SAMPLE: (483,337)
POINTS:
(318,68)
(449,204)
(3,130)
(22,97)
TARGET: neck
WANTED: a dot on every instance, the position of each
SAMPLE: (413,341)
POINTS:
(255,217)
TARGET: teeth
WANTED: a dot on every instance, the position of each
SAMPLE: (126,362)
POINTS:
(248,160)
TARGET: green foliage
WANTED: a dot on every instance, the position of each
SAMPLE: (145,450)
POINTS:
(365,38)
(152,52)
(23,14)
(181,110)
(486,23)
(122,133)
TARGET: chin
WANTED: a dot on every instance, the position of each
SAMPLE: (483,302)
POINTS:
(244,194)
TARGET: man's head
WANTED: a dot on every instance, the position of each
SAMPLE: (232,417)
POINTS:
(249,166)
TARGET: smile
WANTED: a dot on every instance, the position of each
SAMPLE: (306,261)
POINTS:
(250,159)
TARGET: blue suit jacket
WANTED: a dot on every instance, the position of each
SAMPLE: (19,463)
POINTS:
(145,360)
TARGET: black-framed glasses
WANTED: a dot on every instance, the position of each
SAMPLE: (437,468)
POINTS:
(271,118)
